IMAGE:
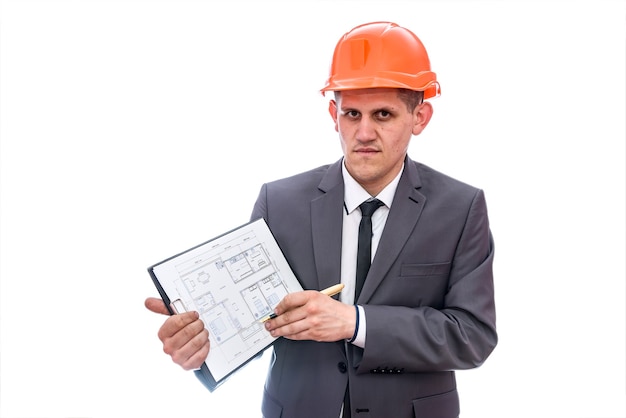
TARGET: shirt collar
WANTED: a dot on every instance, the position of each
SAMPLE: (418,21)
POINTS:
(355,194)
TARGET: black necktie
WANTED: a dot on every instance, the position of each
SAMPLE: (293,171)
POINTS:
(363,260)
(364,254)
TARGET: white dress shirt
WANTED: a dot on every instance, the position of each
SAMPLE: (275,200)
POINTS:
(354,195)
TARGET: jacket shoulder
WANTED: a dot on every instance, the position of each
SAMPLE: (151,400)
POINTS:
(432,180)
(316,180)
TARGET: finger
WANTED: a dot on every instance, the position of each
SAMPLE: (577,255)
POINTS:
(288,323)
(177,326)
(183,342)
(194,353)
(289,330)
(294,308)
(196,359)
(293,300)
(156,305)
(322,319)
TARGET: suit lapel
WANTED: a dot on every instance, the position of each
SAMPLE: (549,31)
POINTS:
(405,211)
(326,224)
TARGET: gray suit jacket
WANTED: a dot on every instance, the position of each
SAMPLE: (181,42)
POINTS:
(428,297)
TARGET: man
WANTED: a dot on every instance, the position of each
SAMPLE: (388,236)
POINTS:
(426,307)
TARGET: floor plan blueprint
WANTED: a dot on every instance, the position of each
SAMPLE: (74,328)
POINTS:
(232,281)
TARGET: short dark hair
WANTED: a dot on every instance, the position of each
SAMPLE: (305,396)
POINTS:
(411,98)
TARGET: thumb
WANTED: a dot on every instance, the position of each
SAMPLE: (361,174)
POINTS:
(156,305)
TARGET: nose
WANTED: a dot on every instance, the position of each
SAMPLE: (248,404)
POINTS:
(366,130)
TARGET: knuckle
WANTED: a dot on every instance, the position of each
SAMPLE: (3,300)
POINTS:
(287,317)
(161,334)
(188,332)
(197,342)
(315,322)
(189,364)
(312,309)
(180,320)
(178,358)
(170,346)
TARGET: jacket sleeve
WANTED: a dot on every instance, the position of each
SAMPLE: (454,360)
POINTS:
(459,334)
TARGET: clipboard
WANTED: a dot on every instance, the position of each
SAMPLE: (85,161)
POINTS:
(233,281)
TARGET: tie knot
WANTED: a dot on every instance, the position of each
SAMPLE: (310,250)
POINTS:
(369,207)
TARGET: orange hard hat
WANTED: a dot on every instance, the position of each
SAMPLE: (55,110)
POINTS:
(381,54)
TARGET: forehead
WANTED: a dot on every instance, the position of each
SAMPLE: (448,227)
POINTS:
(378,97)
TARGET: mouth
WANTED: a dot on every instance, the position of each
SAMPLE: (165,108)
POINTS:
(366,151)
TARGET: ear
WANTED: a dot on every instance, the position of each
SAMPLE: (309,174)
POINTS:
(421,117)
(332,109)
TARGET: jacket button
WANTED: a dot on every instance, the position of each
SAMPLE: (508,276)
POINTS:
(343,367)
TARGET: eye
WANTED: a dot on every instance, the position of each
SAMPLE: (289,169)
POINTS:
(383,115)
(352,114)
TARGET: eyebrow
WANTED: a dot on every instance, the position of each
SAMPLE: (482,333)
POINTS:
(376,110)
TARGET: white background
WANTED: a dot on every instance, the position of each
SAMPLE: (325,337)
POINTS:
(131,130)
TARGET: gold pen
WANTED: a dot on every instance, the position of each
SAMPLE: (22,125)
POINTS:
(333,290)
(329,291)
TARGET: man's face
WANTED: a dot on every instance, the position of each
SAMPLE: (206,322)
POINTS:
(375,128)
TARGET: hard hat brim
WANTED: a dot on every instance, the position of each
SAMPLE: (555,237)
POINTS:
(425,82)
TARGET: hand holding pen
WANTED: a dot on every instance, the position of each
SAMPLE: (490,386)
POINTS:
(329,291)
(312,315)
